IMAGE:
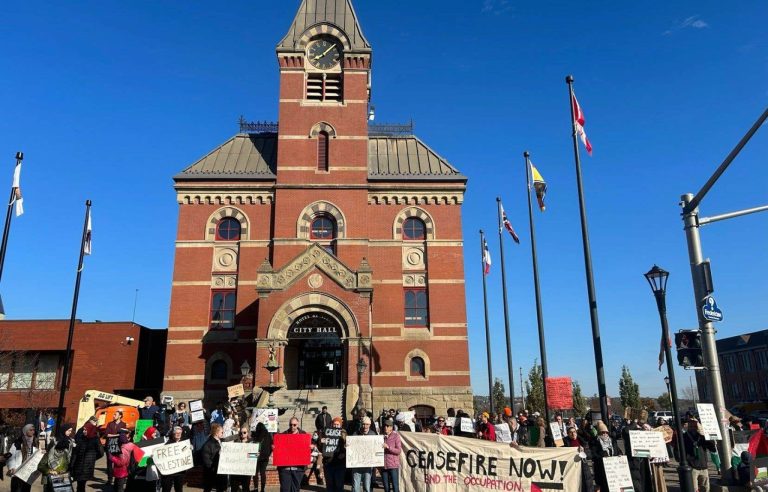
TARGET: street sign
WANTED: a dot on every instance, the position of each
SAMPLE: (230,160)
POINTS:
(710,310)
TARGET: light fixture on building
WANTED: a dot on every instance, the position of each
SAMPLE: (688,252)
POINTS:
(371,113)
(361,366)
(245,368)
(129,340)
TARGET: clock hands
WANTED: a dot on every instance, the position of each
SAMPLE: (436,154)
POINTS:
(324,52)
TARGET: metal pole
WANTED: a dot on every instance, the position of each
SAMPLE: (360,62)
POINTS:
(487,326)
(8,215)
(537,290)
(731,215)
(522,389)
(709,345)
(690,381)
(683,470)
(596,342)
(68,353)
(510,367)
(669,395)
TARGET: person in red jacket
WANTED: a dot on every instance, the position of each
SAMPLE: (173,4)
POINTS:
(121,461)
(487,430)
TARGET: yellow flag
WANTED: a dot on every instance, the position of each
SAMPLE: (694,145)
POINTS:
(540,186)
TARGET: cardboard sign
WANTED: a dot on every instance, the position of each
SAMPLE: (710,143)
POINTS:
(667,432)
(238,458)
(331,442)
(365,451)
(27,471)
(635,414)
(559,393)
(235,391)
(503,434)
(173,458)
(437,463)
(467,425)
(141,428)
(617,474)
(646,444)
(709,425)
(267,416)
(557,434)
(292,449)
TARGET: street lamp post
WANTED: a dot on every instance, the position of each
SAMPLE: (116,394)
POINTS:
(361,366)
(666,380)
(657,278)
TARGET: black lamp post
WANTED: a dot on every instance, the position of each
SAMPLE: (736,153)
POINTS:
(657,278)
(361,366)
(666,380)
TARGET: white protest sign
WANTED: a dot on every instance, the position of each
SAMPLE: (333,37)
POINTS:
(195,405)
(406,417)
(173,458)
(647,444)
(267,416)
(503,434)
(238,458)
(450,422)
(365,451)
(196,412)
(467,425)
(709,426)
(27,471)
(557,433)
(617,474)
(331,440)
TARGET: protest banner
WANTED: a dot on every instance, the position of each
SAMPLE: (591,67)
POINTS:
(238,458)
(196,412)
(267,416)
(235,391)
(365,451)
(173,458)
(559,393)
(708,418)
(141,428)
(27,471)
(557,434)
(647,444)
(437,463)
(617,474)
(467,425)
(503,434)
(148,446)
(331,441)
(292,449)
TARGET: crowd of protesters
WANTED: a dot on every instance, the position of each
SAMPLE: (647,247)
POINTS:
(74,452)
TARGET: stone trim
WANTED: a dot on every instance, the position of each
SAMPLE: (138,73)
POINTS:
(415,198)
(397,227)
(316,209)
(317,30)
(457,397)
(417,353)
(322,127)
(185,377)
(235,213)
(216,198)
(304,303)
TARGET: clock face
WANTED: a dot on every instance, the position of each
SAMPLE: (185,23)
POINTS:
(324,53)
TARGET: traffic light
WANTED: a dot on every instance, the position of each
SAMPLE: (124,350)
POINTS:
(689,353)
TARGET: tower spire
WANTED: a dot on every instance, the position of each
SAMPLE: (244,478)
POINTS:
(317,17)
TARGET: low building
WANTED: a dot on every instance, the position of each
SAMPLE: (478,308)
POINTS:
(114,357)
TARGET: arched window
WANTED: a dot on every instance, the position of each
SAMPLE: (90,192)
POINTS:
(219,370)
(414,229)
(418,369)
(322,151)
(228,229)
(323,228)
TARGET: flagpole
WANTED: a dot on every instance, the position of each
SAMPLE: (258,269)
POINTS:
(596,341)
(68,353)
(536,289)
(8,215)
(487,326)
(510,367)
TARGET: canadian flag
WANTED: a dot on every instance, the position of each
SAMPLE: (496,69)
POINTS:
(578,122)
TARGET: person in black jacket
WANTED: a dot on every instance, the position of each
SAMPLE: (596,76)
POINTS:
(323,420)
(697,447)
(264,438)
(209,455)
(173,481)
(290,476)
(87,451)
(603,446)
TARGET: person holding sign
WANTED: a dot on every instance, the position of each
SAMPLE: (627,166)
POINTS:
(361,477)
(112,435)
(333,440)
(21,450)
(237,482)
(264,438)
(604,446)
(210,458)
(129,452)
(697,447)
(392,448)
(173,481)
(290,476)
(58,457)
(572,440)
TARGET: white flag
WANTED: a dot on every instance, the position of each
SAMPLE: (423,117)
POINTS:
(17,199)
(87,245)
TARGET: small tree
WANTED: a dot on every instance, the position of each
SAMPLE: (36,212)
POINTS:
(663,401)
(535,389)
(499,400)
(629,390)
(579,402)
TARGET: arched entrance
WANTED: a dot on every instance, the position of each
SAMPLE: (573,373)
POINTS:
(314,356)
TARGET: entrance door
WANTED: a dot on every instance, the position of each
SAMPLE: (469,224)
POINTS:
(314,338)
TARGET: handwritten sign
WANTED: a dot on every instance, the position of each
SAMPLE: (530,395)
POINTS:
(292,450)
(617,474)
(235,391)
(27,471)
(196,412)
(709,425)
(666,431)
(266,416)
(648,444)
(559,393)
(332,439)
(173,458)
(467,425)
(503,434)
(238,458)
(365,451)
(557,434)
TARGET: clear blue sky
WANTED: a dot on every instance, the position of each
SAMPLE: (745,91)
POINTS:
(109,100)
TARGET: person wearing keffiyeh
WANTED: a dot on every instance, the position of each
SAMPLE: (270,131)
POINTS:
(21,449)
(603,446)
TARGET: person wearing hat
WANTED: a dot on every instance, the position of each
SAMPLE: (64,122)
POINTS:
(392,448)
(361,477)
(486,430)
(332,445)
(604,446)
(697,447)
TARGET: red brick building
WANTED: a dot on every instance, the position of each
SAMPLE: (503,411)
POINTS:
(116,357)
(332,240)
